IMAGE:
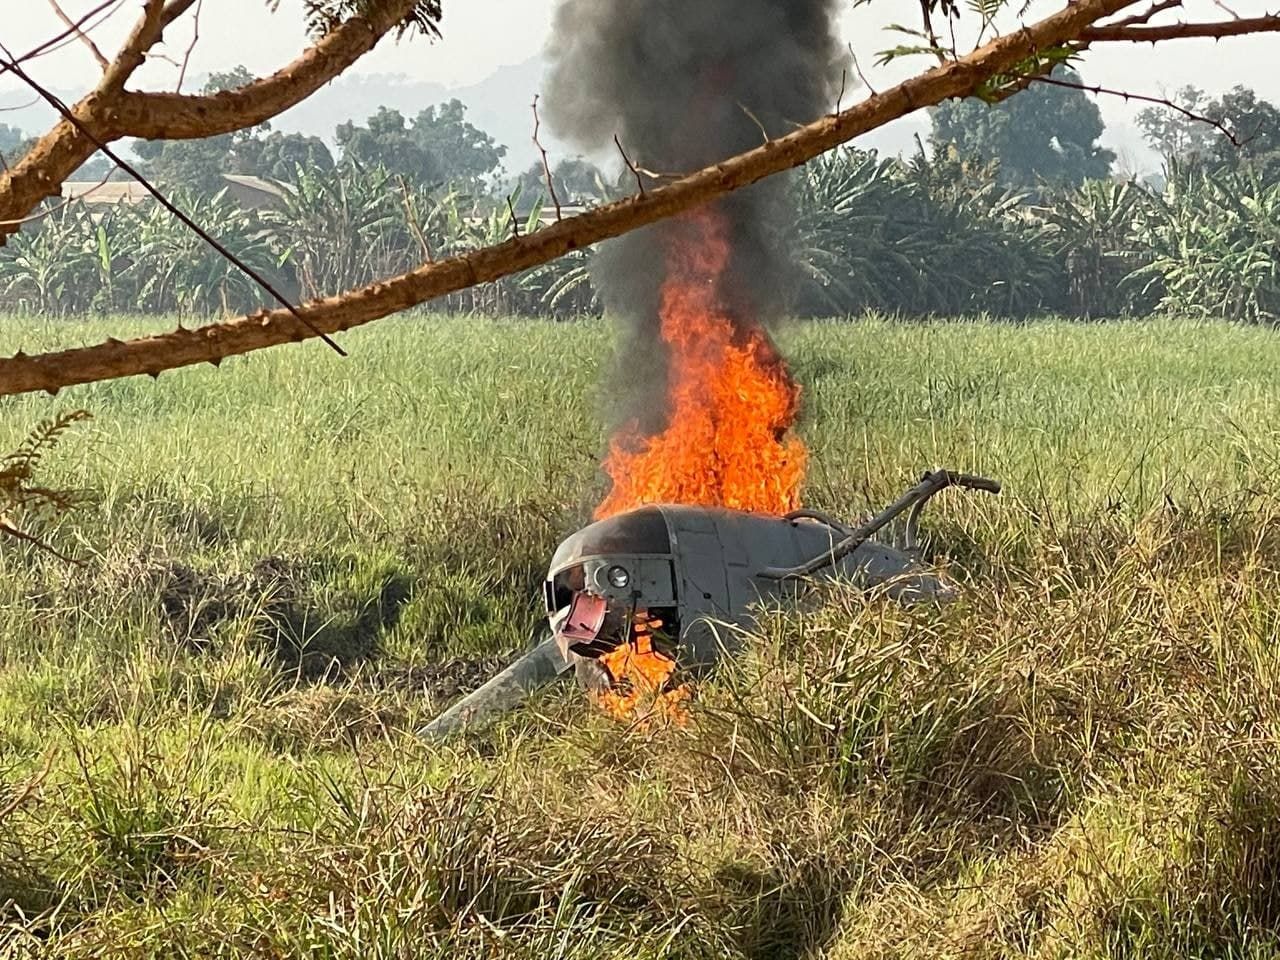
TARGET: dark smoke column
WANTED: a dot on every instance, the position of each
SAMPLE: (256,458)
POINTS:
(685,83)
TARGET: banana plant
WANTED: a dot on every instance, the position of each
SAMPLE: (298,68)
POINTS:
(1214,238)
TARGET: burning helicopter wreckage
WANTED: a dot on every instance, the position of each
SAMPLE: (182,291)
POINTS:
(661,583)
(702,520)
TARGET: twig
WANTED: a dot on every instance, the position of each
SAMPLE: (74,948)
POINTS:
(764,134)
(67,22)
(69,33)
(1269,23)
(411,216)
(65,203)
(13,67)
(844,82)
(1146,15)
(9,530)
(20,106)
(1141,98)
(630,166)
(165,58)
(195,38)
(861,76)
(515,221)
(546,165)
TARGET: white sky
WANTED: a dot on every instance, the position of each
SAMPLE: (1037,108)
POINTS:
(483,35)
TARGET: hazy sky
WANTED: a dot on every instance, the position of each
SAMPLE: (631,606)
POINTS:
(482,35)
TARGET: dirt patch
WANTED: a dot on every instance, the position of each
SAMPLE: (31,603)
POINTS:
(284,604)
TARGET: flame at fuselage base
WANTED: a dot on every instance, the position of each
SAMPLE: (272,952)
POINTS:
(643,687)
(727,442)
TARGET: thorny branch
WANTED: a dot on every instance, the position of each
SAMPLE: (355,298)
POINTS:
(1269,23)
(1146,15)
(109,113)
(1141,98)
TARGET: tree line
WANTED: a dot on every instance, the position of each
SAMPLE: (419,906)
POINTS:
(1011,210)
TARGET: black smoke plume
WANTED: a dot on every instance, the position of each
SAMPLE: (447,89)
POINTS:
(683,84)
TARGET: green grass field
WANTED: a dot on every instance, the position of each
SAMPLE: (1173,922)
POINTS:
(206,733)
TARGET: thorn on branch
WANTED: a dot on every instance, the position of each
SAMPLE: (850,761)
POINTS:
(546,165)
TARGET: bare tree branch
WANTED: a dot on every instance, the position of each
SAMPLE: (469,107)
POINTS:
(1141,98)
(861,76)
(169,205)
(1146,15)
(1270,23)
(630,166)
(546,164)
(195,39)
(84,38)
(211,344)
(59,153)
(55,42)
(176,116)
(110,113)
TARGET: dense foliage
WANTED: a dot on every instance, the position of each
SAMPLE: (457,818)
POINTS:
(932,235)
(1046,135)
(1010,212)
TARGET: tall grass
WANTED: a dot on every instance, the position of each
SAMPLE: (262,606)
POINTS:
(206,734)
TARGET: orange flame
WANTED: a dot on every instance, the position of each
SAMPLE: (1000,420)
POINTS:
(641,674)
(731,402)
(731,406)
